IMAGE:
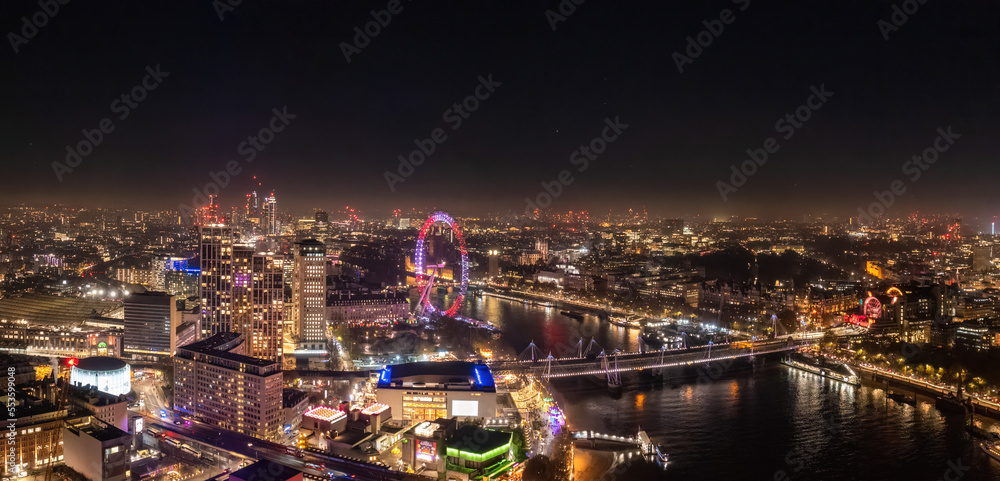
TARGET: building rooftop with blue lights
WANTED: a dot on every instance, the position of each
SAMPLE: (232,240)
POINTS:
(445,375)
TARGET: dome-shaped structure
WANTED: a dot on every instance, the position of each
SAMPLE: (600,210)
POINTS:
(106,374)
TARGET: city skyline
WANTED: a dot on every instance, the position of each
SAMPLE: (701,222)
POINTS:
(500,241)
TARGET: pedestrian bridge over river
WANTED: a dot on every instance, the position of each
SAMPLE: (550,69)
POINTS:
(612,364)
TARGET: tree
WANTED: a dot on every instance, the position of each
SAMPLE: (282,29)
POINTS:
(539,468)
(562,458)
(520,442)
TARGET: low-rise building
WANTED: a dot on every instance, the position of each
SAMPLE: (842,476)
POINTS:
(359,310)
(477,453)
(421,391)
(972,335)
(109,408)
(294,404)
(98,451)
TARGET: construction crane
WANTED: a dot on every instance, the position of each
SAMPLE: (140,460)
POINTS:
(60,402)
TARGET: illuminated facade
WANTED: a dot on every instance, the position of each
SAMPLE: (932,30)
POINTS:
(216,383)
(490,452)
(309,291)
(150,320)
(270,215)
(423,391)
(366,310)
(19,338)
(106,374)
(216,247)
(39,438)
(258,302)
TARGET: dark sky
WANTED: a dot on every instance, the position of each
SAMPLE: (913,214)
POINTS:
(607,59)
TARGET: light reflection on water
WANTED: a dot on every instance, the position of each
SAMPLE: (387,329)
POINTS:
(771,423)
(521,324)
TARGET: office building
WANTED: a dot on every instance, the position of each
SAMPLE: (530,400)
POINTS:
(217,383)
(294,404)
(982,257)
(150,320)
(493,272)
(182,283)
(974,336)
(309,292)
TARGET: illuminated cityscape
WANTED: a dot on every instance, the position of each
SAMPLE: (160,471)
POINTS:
(484,241)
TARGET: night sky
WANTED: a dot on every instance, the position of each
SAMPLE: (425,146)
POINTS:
(606,59)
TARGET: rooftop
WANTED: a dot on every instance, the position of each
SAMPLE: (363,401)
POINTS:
(219,345)
(290,397)
(100,363)
(470,439)
(265,470)
(459,373)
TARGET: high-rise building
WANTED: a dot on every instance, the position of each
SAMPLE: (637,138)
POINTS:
(982,257)
(270,215)
(242,291)
(216,382)
(494,265)
(309,291)
(183,284)
(150,320)
(216,278)
(258,301)
(160,266)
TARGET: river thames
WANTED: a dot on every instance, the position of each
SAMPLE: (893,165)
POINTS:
(765,423)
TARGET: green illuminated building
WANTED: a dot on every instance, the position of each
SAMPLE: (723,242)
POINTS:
(474,452)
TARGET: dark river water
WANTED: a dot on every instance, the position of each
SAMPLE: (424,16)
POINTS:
(768,423)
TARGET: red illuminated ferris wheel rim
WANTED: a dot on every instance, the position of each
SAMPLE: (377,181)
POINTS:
(872,308)
(421,268)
